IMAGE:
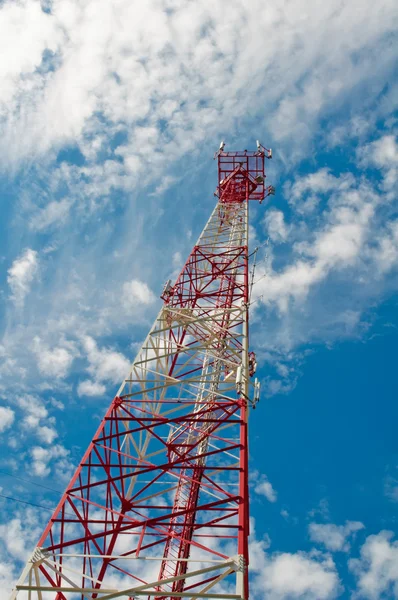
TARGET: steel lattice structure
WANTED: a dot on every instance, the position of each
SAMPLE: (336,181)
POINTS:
(158,507)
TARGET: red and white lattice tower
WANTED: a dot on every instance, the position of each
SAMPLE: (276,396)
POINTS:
(158,506)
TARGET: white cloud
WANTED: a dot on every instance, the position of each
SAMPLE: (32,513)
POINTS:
(196,84)
(42,457)
(320,182)
(322,510)
(391,488)
(33,406)
(55,213)
(21,274)
(357,127)
(385,251)
(7,417)
(95,66)
(90,388)
(46,434)
(7,578)
(177,261)
(383,154)
(167,181)
(336,246)
(16,533)
(294,282)
(280,386)
(56,361)
(94,86)
(264,488)
(275,226)
(340,243)
(384,151)
(308,576)
(377,568)
(25,33)
(286,576)
(57,404)
(105,364)
(35,413)
(135,294)
(334,537)
(343,260)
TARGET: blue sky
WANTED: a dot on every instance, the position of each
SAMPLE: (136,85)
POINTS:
(109,116)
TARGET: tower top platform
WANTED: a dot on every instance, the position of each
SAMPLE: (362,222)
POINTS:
(241,175)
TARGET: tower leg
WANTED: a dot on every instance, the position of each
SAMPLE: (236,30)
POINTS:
(240,578)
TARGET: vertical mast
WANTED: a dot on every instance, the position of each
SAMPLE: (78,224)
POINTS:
(158,506)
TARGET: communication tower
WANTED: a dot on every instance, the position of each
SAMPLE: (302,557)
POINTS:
(159,504)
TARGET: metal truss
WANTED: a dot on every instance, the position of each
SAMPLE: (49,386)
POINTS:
(158,507)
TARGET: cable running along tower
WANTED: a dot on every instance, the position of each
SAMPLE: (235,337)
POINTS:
(158,506)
